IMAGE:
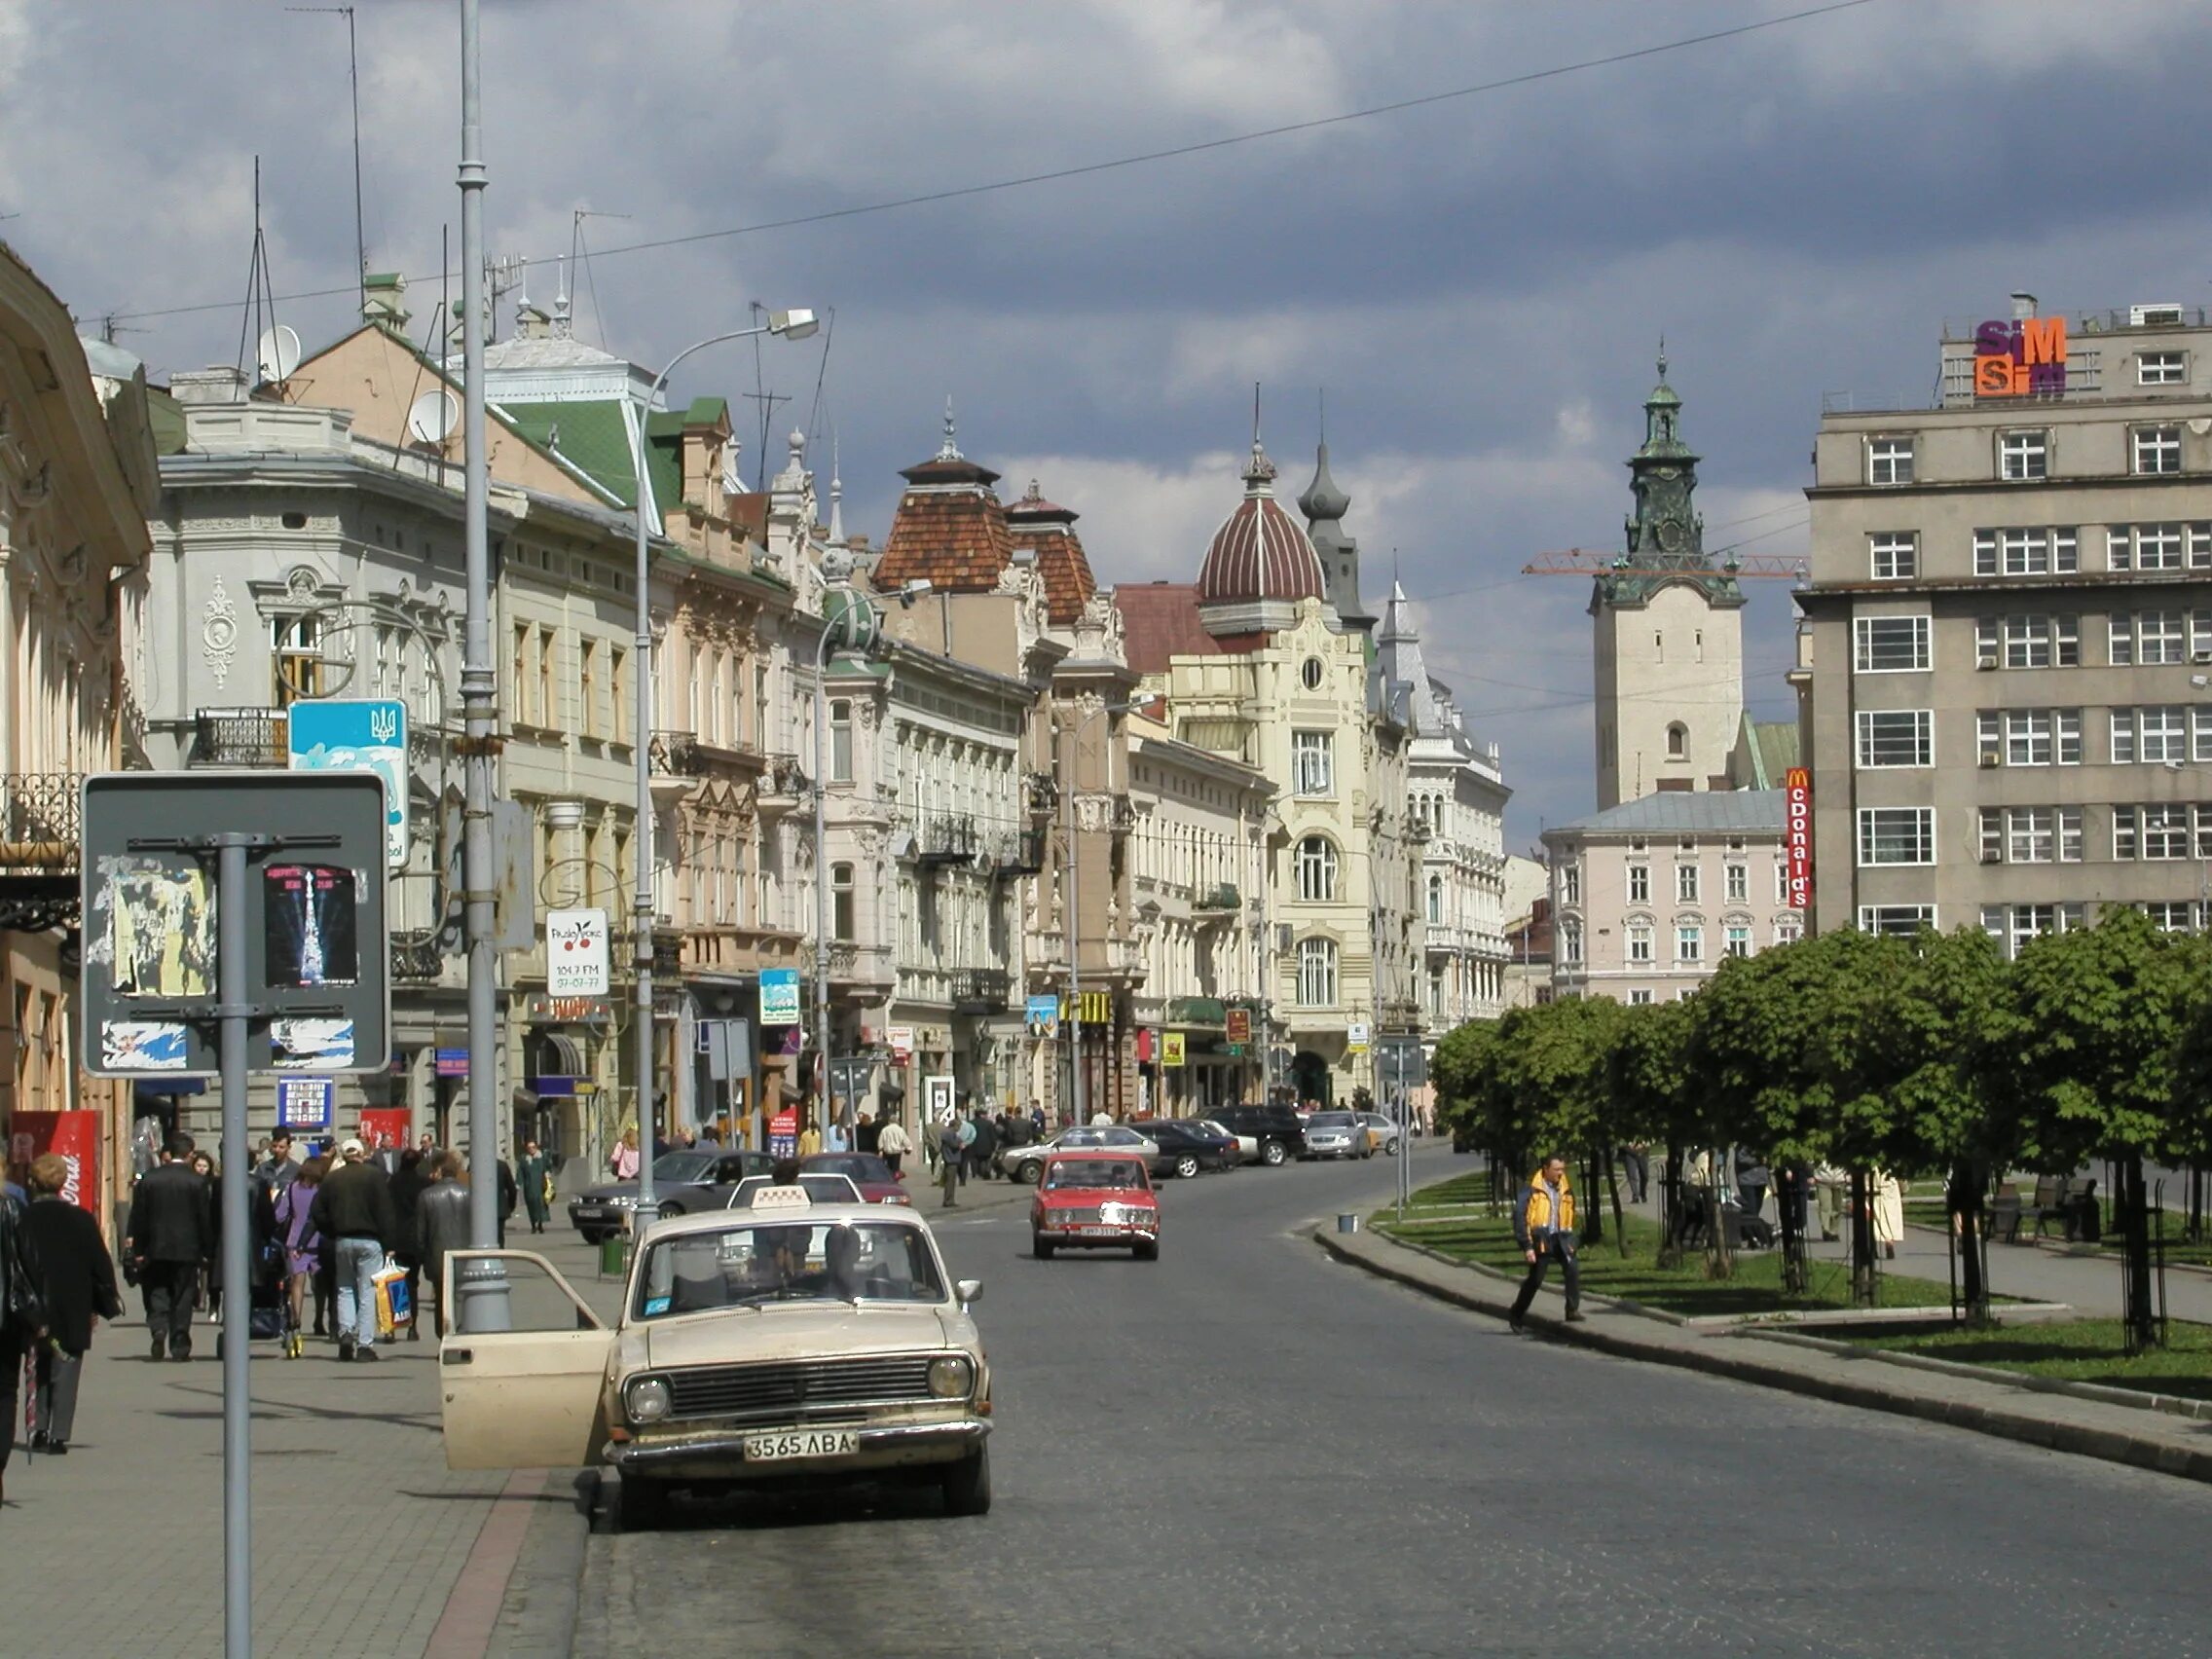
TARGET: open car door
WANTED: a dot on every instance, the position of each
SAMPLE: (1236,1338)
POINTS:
(528,1397)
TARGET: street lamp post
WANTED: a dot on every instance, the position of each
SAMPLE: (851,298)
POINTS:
(789,326)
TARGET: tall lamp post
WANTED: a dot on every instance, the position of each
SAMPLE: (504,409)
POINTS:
(1075,905)
(788,325)
(836,574)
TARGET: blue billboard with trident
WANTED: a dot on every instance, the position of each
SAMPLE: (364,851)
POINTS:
(358,734)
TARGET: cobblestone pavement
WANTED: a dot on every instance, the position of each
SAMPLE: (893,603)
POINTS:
(1247,1449)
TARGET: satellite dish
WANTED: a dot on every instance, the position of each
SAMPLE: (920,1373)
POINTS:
(278,354)
(430,418)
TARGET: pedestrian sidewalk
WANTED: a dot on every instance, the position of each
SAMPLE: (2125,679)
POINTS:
(2019,1410)
(359,1532)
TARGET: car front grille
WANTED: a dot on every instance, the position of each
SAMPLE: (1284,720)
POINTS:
(787,1390)
(1073,1217)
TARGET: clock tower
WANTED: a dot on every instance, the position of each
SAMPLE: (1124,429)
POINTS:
(1668,634)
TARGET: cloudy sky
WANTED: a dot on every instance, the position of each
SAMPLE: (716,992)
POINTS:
(1479,282)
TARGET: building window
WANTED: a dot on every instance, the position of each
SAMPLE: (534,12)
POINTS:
(1889,460)
(618,687)
(2164,833)
(1311,756)
(2161,735)
(2028,641)
(2158,546)
(2029,737)
(1891,645)
(842,740)
(1686,884)
(1316,972)
(1570,942)
(2154,449)
(2023,454)
(2031,835)
(1895,555)
(1739,939)
(2160,368)
(1689,943)
(1789,930)
(1436,900)
(1900,921)
(1640,999)
(1638,884)
(2012,925)
(1640,941)
(1738,884)
(2173,915)
(1316,871)
(1897,834)
(1678,742)
(549,707)
(1309,674)
(2040,551)
(841,901)
(1896,737)
(2156,636)
(1571,884)
(297,644)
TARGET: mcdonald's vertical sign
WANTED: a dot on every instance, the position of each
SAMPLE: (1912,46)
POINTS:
(1798,835)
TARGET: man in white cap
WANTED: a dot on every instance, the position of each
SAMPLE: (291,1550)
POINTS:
(353,1209)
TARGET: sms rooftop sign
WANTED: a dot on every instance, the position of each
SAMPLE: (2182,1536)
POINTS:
(2021,358)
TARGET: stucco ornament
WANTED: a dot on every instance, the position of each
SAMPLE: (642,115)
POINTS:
(219,633)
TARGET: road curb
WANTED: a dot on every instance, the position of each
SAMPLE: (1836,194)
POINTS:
(2114,1442)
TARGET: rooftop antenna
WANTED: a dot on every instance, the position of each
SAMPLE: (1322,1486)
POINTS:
(1255,414)
(261,301)
(579,252)
(1321,398)
(767,400)
(353,81)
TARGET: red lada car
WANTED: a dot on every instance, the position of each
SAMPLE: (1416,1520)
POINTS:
(1097,1195)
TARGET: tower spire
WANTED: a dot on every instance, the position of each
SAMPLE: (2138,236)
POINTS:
(951,449)
(836,495)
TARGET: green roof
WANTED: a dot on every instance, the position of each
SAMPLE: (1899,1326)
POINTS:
(593,438)
(166,415)
(1773,746)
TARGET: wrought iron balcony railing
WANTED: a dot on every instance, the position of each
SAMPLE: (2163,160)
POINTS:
(677,752)
(946,839)
(38,819)
(240,737)
(415,955)
(1042,791)
(1020,852)
(982,990)
(1222,897)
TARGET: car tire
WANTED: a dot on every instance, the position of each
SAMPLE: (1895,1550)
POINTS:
(1040,1246)
(1029,1171)
(1186,1167)
(639,1504)
(1146,1252)
(1272,1153)
(669,1213)
(967,1485)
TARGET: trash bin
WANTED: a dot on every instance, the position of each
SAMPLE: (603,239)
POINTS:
(613,1255)
(1347,1224)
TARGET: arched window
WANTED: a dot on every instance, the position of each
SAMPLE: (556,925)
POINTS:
(841,901)
(1316,871)
(1316,972)
(1678,742)
(1435,900)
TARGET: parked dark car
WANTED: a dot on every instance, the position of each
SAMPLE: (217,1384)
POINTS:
(1185,1148)
(683,1182)
(869,1172)
(1280,1135)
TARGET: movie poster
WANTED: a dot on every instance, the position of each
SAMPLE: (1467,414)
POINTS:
(162,927)
(309,926)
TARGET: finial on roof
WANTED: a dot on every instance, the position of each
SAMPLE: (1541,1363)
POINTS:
(560,298)
(797,443)
(1034,494)
(1662,356)
(951,449)
(837,494)
(1321,419)
(1261,472)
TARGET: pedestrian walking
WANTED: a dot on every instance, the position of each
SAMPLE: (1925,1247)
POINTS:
(623,1160)
(964,1140)
(276,1170)
(868,1135)
(1889,1212)
(982,1144)
(303,1250)
(76,1282)
(170,1235)
(208,1289)
(353,1208)
(535,1175)
(22,1317)
(1036,1119)
(1831,1183)
(1636,1162)
(948,1150)
(509,1190)
(408,1184)
(1752,1177)
(893,1143)
(1543,1224)
(442,1219)
(809,1138)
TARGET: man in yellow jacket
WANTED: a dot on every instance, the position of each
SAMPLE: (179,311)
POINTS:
(1544,1226)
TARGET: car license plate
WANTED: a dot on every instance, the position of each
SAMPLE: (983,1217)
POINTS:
(801,1442)
(1099,1232)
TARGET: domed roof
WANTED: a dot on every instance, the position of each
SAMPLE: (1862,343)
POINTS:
(1260,552)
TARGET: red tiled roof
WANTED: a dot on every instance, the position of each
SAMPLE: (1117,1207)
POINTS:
(1047,530)
(1160,620)
(954,539)
(749,512)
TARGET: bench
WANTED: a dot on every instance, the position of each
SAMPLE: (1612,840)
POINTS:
(2002,1219)
(2062,1199)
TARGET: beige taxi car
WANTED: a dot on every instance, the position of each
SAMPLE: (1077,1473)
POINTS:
(792,1344)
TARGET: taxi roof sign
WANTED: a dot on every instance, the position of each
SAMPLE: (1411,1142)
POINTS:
(783,1197)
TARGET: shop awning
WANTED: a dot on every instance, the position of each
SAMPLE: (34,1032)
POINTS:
(557,1056)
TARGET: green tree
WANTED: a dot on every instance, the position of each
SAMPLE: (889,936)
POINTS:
(1649,1076)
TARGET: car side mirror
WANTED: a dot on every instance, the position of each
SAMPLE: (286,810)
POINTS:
(969,1291)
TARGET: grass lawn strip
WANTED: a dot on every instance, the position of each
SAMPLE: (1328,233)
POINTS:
(1755,1288)
(2074,1350)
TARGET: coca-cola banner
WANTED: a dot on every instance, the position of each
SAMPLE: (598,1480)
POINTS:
(75,1137)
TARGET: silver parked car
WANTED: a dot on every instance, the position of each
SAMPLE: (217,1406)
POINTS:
(1336,1134)
(1381,1131)
(1025,1164)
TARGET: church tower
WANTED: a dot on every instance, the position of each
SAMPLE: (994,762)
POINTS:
(1324,507)
(1668,634)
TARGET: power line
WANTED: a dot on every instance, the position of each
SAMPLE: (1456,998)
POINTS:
(1146,158)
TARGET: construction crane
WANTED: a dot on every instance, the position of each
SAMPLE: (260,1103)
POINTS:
(1584,562)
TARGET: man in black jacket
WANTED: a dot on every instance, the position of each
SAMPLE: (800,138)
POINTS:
(78,1280)
(353,1209)
(172,1231)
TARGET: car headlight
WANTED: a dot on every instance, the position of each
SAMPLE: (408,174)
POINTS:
(951,1376)
(624,1201)
(646,1399)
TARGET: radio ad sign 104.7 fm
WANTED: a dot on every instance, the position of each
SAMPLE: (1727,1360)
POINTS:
(576,953)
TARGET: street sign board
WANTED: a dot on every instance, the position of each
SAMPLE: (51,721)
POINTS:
(778,996)
(306,1102)
(451,1062)
(576,953)
(1355,1037)
(783,1134)
(313,946)
(1238,1026)
(356,734)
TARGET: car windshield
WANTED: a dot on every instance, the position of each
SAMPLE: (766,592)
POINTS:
(862,1167)
(753,1263)
(679,1168)
(1093,1173)
(1330,1120)
(1219,1128)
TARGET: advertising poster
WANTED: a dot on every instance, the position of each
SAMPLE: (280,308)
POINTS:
(778,996)
(161,928)
(1172,1048)
(1044,1017)
(902,1041)
(309,926)
(576,957)
(339,734)
(386,1127)
(312,1045)
(142,1045)
(937,1098)
(75,1137)
(783,1134)
(306,1103)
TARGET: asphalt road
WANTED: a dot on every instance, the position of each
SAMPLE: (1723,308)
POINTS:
(1245,1448)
